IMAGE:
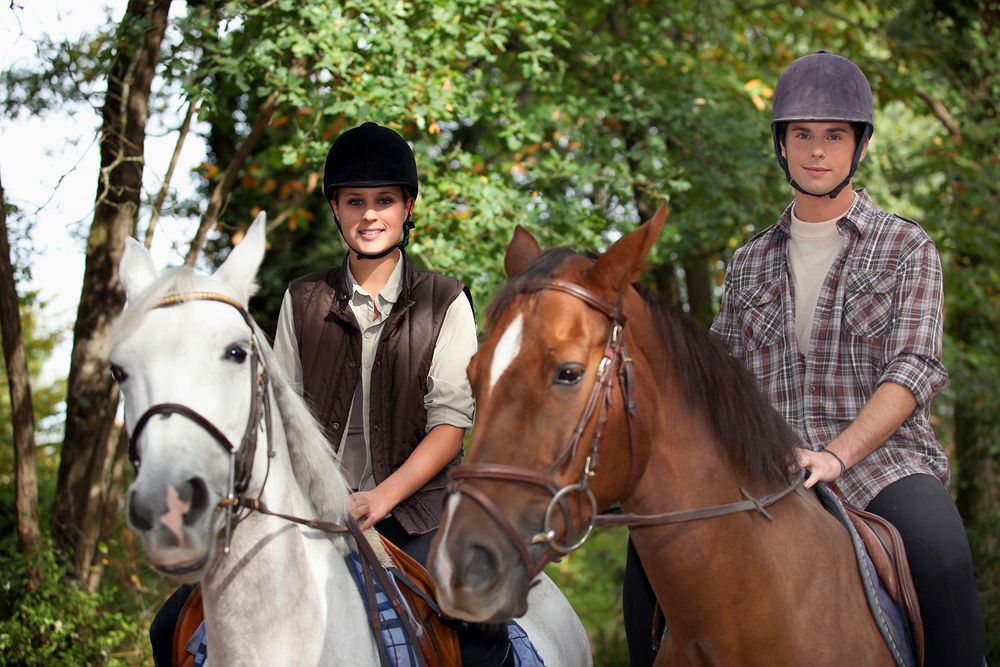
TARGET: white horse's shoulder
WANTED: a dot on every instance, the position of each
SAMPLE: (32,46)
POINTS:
(554,628)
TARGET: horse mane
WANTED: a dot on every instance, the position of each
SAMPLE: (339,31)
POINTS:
(714,382)
(719,386)
(315,468)
(308,448)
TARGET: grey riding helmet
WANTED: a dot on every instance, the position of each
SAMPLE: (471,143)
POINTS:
(371,155)
(823,86)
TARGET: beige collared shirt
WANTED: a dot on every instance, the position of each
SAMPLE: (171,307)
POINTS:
(449,397)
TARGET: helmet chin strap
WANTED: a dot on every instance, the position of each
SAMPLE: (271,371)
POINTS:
(832,194)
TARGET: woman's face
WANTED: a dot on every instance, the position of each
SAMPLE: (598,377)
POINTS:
(371,219)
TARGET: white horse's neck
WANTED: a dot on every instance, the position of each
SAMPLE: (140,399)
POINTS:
(284,590)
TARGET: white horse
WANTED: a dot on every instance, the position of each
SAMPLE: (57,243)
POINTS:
(198,381)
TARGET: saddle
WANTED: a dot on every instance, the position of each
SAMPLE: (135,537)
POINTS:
(437,641)
(885,548)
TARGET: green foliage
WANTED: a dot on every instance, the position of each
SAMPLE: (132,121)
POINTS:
(591,578)
(54,622)
(575,119)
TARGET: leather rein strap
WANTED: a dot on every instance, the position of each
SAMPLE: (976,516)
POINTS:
(614,361)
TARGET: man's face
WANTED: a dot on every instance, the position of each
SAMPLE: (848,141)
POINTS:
(819,154)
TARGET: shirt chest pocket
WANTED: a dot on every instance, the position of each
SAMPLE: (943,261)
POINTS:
(868,302)
(761,314)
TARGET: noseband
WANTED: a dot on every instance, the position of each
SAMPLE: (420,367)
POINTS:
(614,361)
(241,457)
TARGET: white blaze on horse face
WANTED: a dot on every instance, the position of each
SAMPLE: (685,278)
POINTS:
(506,350)
(443,563)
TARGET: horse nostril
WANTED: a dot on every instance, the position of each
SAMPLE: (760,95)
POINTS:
(139,515)
(197,490)
(480,566)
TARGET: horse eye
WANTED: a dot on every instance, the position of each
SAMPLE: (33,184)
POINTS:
(569,374)
(236,353)
(118,373)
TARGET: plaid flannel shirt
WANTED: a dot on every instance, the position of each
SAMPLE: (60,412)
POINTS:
(879,318)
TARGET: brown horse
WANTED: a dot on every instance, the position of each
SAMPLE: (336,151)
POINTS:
(589,393)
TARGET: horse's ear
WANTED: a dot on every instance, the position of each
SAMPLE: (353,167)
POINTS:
(135,270)
(522,249)
(620,265)
(240,268)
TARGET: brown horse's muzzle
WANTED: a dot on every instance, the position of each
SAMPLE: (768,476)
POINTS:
(480,576)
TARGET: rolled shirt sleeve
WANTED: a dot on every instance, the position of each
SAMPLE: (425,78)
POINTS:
(449,396)
(913,344)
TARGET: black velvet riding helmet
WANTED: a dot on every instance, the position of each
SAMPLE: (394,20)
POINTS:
(369,156)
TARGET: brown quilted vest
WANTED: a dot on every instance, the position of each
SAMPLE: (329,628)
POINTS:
(329,342)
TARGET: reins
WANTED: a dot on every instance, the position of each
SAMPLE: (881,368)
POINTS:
(615,361)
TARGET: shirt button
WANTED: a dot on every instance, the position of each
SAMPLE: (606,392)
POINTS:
(335,426)
(812,389)
(368,334)
(352,363)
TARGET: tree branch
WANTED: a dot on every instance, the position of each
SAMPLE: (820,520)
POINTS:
(224,187)
(161,196)
(942,114)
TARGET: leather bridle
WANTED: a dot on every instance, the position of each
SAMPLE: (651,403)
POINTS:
(614,361)
(241,468)
(240,457)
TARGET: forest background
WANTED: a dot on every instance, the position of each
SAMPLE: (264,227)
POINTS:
(572,118)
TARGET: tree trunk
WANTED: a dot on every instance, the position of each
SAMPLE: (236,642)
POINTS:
(112,502)
(25,473)
(698,279)
(92,397)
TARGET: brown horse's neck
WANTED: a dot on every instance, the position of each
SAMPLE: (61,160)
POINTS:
(710,576)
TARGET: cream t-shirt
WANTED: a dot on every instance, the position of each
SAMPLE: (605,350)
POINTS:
(812,249)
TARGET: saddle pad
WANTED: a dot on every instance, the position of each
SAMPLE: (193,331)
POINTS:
(889,615)
(398,646)
(197,646)
(525,654)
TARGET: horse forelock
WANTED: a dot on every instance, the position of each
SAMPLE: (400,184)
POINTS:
(176,280)
(720,388)
(544,266)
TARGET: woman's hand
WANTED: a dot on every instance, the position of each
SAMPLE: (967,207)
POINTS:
(369,507)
